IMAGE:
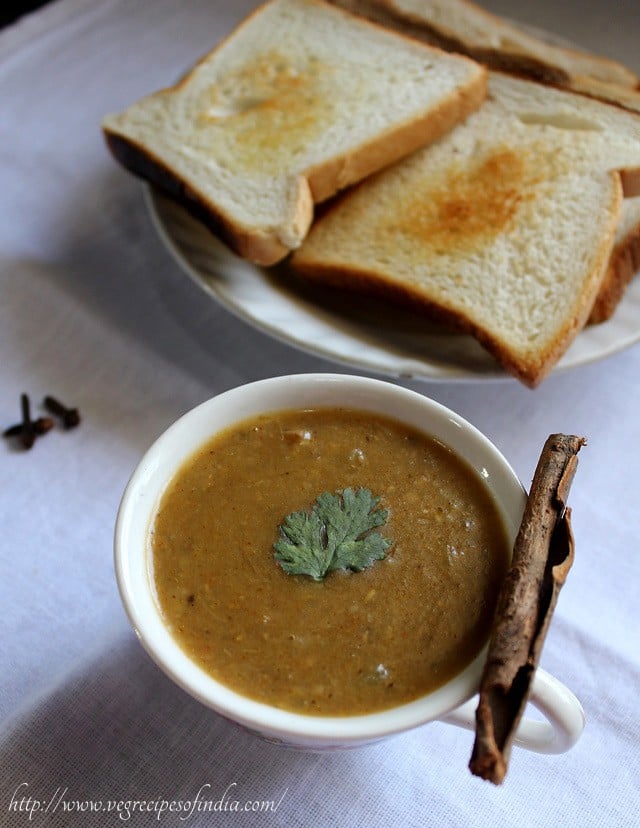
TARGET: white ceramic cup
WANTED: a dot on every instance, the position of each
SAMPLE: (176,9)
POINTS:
(452,702)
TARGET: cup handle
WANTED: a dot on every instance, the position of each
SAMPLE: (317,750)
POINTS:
(564,714)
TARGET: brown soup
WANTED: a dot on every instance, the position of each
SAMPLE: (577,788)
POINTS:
(355,642)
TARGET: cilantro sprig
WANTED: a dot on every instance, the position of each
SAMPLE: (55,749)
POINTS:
(337,532)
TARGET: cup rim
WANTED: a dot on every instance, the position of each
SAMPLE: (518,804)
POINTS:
(165,456)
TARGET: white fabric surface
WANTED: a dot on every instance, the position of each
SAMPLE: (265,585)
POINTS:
(94,310)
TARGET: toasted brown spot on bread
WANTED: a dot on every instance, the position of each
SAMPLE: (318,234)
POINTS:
(471,204)
(268,108)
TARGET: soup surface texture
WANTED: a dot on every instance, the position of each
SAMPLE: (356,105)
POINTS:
(355,642)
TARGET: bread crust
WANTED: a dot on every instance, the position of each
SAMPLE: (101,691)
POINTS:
(630,177)
(420,29)
(624,264)
(515,62)
(519,64)
(325,180)
(627,98)
(257,246)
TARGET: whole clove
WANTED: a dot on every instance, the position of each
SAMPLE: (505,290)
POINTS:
(28,429)
(70,416)
(40,427)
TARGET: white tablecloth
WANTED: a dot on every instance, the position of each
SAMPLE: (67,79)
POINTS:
(95,311)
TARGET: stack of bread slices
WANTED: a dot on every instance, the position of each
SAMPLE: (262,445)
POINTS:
(506,204)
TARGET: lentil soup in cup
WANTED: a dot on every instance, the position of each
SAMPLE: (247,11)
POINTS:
(317,558)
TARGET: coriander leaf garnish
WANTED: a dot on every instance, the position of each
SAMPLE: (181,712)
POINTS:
(336,533)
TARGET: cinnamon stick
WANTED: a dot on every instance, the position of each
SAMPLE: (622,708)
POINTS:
(542,556)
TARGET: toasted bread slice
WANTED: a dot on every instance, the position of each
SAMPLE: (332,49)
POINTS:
(503,228)
(301,100)
(467,27)
(464,27)
(461,25)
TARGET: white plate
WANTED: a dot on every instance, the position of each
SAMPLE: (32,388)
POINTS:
(371,337)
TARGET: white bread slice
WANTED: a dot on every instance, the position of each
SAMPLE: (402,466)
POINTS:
(301,100)
(461,25)
(454,25)
(503,228)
